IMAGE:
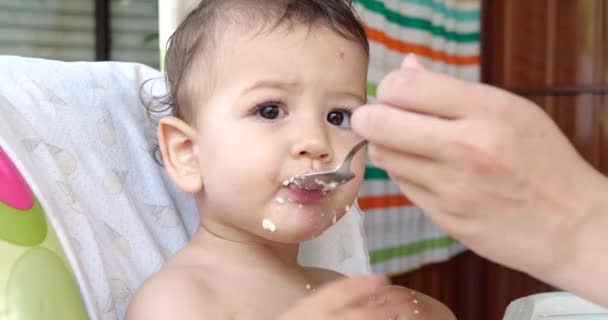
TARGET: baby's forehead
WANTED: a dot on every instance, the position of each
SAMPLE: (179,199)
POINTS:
(236,39)
(220,32)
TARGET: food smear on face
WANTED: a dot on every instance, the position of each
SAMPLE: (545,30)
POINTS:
(280,200)
(268,225)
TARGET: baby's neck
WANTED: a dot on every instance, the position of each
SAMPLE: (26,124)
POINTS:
(246,275)
(213,239)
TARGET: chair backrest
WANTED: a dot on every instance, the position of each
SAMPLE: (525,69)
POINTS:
(79,136)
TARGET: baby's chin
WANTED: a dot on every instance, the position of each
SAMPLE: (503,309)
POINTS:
(296,231)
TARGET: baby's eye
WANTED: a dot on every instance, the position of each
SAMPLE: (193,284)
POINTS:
(270,111)
(340,118)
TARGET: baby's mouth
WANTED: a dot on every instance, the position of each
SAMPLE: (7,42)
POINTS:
(303,195)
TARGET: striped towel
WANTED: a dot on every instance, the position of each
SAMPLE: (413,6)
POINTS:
(445,36)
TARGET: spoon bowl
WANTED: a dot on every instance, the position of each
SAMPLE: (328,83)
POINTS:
(331,179)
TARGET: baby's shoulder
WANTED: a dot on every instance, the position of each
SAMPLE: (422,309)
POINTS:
(173,293)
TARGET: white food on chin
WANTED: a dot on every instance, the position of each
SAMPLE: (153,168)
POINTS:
(268,225)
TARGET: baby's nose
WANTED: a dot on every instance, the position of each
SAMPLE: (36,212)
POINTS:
(316,148)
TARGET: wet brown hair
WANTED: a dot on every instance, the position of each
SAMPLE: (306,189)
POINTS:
(199,32)
(197,35)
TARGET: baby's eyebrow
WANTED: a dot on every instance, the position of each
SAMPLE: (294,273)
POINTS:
(277,84)
(274,84)
(359,97)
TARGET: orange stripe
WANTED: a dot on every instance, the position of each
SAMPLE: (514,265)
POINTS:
(379,202)
(403,47)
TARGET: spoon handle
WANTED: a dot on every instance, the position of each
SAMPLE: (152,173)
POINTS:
(355,149)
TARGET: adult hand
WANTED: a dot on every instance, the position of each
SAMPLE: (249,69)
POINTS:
(492,170)
(367,297)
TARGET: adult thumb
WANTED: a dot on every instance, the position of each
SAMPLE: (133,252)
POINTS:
(411,61)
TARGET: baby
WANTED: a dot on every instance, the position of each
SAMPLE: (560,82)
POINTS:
(261,91)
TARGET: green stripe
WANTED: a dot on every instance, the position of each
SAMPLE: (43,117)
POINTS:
(372,88)
(373,173)
(418,23)
(450,13)
(410,249)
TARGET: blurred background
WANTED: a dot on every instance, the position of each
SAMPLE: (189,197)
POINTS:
(122,30)
(554,52)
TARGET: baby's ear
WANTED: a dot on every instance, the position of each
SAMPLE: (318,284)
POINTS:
(176,140)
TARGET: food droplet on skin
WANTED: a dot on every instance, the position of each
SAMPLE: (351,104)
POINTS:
(268,225)
(280,200)
(416,311)
(300,205)
(347,208)
(286,182)
(415,301)
(334,219)
(308,286)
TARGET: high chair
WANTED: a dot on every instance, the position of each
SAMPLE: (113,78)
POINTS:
(554,306)
(86,214)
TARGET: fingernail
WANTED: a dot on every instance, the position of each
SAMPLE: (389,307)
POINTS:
(411,61)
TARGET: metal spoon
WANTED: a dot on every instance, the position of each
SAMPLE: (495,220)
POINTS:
(328,180)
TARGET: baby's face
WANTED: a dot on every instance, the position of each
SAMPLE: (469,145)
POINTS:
(280,107)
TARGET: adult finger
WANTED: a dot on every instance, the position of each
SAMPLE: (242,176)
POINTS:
(402,130)
(421,171)
(432,93)
(413,304)
(415,176)
(420,197)
(348,292)
(373,312)
(411,61)
(431,204)
(390,302)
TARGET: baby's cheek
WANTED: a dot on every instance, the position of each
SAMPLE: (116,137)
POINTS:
(345,201)
(358,166)
(234,186)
